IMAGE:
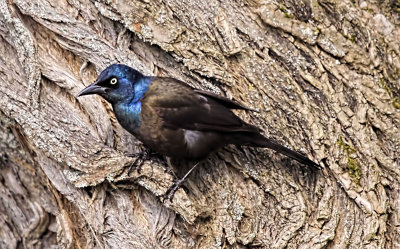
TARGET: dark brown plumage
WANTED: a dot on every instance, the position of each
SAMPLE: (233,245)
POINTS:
(182,122)
(176,120)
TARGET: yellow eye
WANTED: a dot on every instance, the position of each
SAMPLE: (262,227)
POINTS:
(113,81)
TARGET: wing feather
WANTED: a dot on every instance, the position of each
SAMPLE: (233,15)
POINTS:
(181,106)
(231,104)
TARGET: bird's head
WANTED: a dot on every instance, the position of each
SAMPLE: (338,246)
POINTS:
(115,84)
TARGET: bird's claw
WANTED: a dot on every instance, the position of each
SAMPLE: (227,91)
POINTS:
(177,184)
(142,156)
(169,194)
(138,167)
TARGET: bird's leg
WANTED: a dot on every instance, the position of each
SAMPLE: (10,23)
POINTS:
(142,156)
(177,184)
(170,167)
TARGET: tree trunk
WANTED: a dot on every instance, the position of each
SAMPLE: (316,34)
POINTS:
(324,76)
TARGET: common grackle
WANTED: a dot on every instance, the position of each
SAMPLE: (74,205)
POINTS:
(175,119)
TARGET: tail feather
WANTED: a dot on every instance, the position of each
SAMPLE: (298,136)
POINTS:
(258,140)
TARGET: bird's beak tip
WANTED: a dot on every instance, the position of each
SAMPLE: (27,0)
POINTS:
(79,94)
(83,92)
(91,89)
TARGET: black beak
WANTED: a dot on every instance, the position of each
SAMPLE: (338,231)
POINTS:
(92,89)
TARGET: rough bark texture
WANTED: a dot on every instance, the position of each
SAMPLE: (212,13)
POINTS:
(323,74)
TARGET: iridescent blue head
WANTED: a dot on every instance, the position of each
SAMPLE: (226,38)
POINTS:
(119,84)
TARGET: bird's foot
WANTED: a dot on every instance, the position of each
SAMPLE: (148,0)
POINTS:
(177,184)
(141,156)
(169,195)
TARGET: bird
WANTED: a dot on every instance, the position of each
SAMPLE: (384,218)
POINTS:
(177,120)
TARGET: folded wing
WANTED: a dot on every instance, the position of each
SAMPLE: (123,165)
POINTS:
(184,107)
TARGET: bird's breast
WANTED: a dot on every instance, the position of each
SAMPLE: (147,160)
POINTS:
(128,115)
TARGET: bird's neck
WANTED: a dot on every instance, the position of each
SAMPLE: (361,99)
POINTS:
(128,115)
(128,112)
(140,88)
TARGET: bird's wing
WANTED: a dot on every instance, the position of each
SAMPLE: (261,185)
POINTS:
(181,106)
(231,104)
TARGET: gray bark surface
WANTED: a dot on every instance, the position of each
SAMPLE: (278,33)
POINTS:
(324,76)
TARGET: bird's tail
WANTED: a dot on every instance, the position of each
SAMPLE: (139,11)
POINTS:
(258,140)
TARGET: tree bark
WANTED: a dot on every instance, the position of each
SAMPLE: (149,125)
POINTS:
(324,76)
